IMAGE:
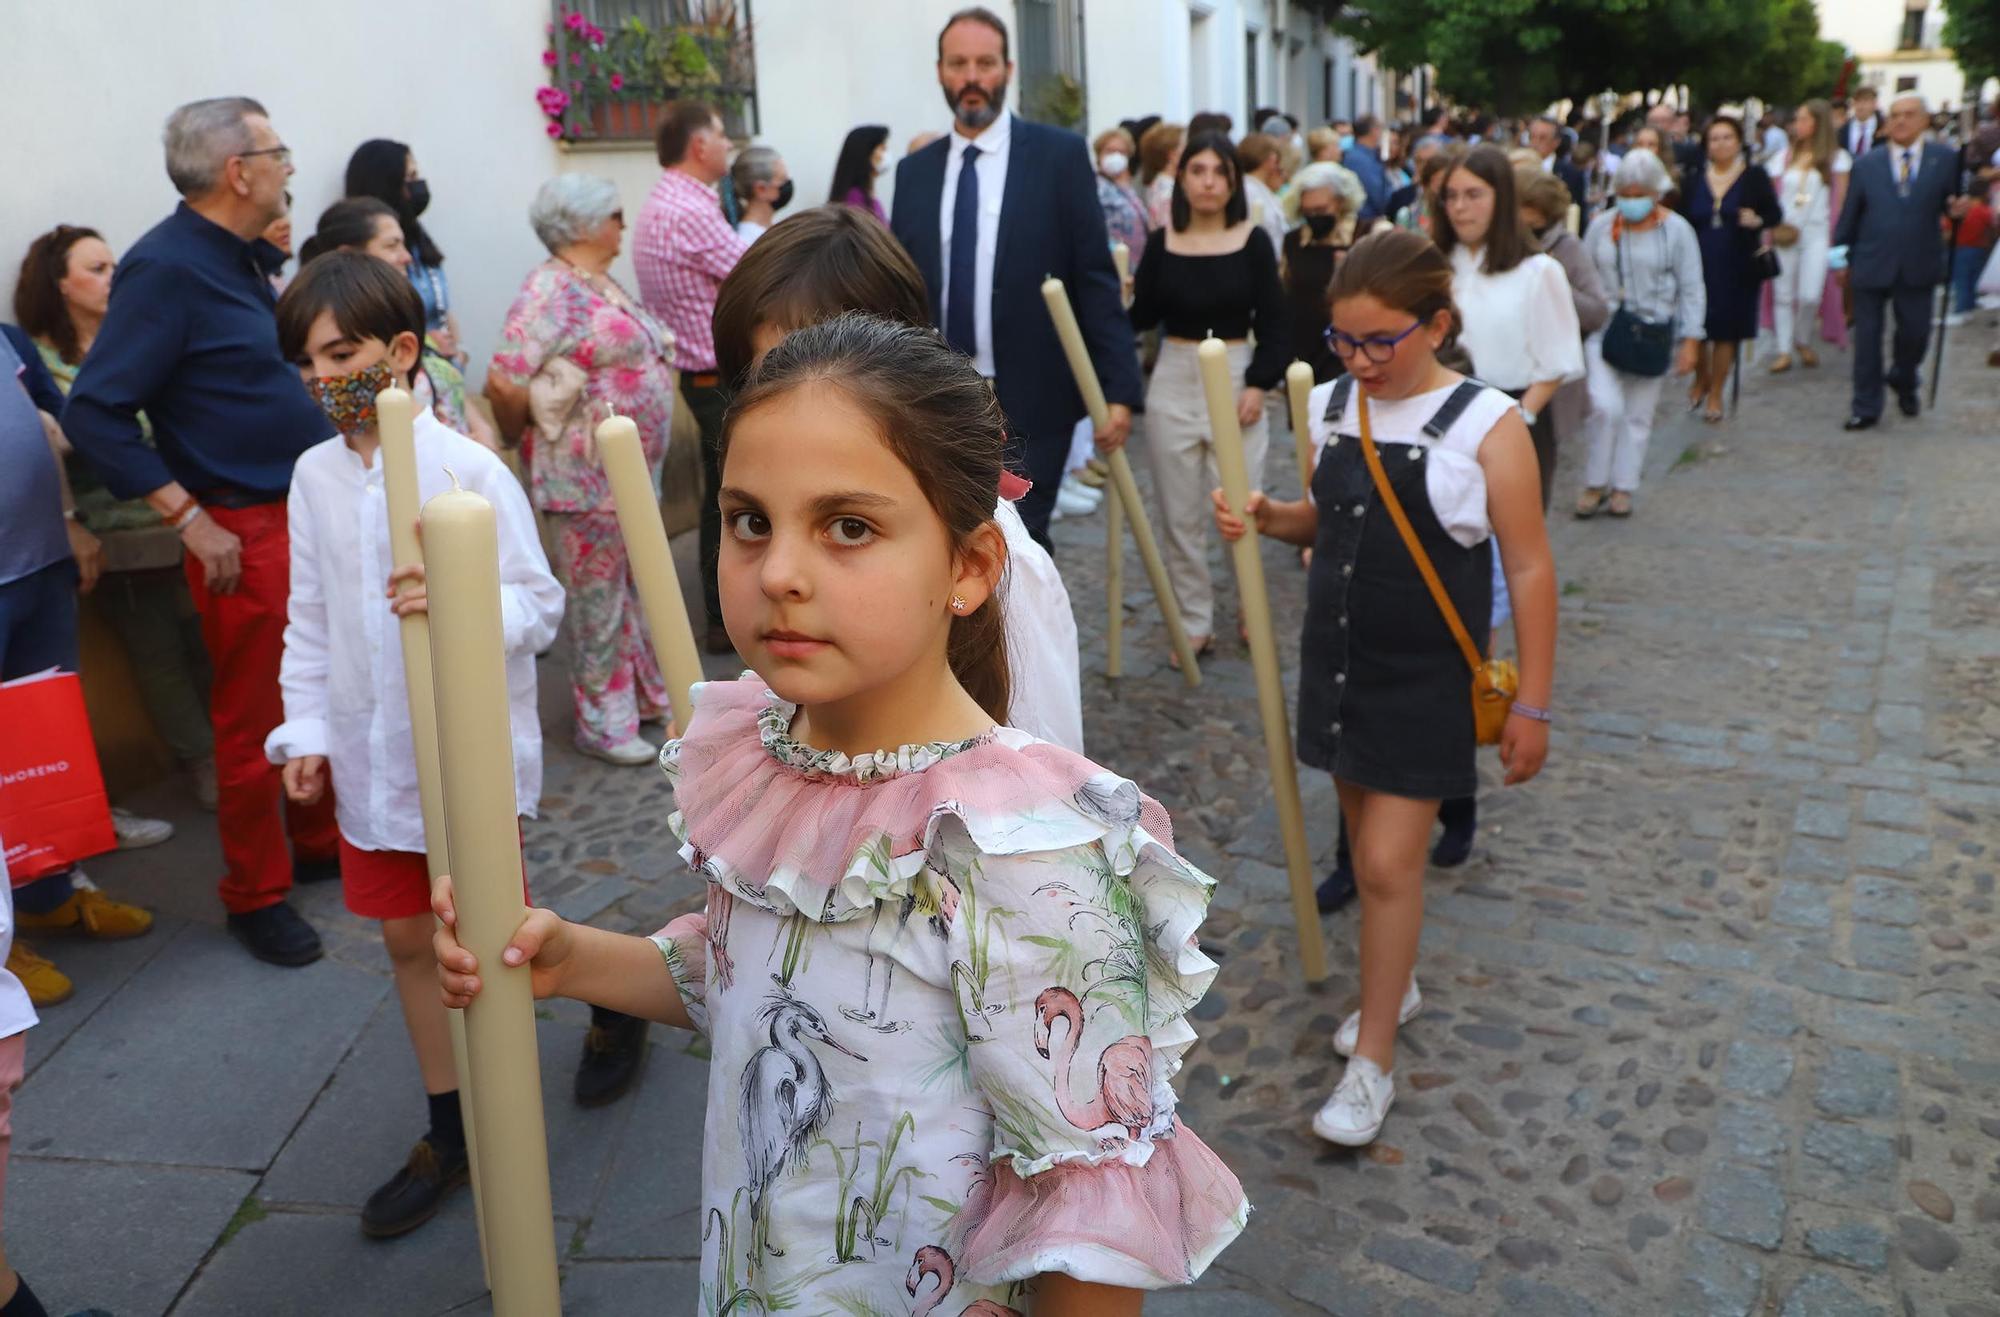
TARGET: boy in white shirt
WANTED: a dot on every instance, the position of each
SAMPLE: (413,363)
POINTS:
(356,327)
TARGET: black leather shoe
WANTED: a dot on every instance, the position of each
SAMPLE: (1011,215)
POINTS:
(1907,403)
(612,1050)
(414,1194)
(1859,423)
(1461,826)
(1338,889)
(308,870)
(277,934)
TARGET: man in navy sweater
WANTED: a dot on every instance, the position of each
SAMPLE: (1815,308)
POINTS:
(989,211)
(190,339)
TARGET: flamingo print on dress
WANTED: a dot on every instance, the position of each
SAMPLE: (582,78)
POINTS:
(933,1263)
(1124,1101)
(786,1102)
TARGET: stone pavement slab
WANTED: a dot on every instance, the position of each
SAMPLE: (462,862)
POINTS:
(651,1208)
(121,1237)
(205,1057)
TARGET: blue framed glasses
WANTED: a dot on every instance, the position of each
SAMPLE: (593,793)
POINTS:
(1376,349)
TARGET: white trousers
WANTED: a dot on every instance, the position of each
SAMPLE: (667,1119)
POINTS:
(1183,461)
(1621,420)
(1795,293)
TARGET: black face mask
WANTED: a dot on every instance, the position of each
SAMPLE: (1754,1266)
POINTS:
(1321,225)
(417,194)
(784,197)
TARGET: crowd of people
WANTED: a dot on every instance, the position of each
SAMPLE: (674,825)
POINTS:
(887,426)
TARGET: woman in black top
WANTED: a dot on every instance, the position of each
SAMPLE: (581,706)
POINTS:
(1732,206)
(1210,271)
(1326,211)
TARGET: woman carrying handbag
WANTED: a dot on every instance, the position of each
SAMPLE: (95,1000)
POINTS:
(1648,255)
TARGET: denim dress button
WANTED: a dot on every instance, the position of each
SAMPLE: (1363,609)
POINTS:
(1347,569)
(1416,454)
(1343,620)
(1360,510)
(1340,678)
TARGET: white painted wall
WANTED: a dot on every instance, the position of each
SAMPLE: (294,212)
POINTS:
(454,78)
(1872,29)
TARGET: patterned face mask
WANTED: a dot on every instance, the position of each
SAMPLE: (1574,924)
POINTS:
(349,400)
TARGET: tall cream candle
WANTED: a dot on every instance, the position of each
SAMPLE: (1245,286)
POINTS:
(1298,389)
(395,426)
(652,560)
(1123,486)
(462,555)
(1229,460)
(1121,258)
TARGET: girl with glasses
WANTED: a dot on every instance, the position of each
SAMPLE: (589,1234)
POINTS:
(1384,691)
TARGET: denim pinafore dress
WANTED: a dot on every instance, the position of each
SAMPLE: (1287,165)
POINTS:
(1385,700)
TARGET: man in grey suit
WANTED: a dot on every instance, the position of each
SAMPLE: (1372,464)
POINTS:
(1890,236)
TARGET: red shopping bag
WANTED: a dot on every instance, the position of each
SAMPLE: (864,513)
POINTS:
(53,810)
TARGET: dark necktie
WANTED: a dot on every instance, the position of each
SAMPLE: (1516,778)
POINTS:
(1903,172)
(961,283)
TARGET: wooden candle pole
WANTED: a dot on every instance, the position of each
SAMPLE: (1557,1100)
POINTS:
(395,413)
(1121,257)
(1124,488)
(1229,461)
(638,505)
(1114,586)
(476,759)
(1298,388)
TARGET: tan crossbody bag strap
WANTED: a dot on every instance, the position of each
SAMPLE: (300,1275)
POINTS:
(1410,541)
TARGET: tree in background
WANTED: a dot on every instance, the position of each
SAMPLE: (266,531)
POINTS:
(1513,57)
(1972,31)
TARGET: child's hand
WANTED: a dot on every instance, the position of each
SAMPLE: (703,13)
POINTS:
(542,943)
(1231,525)
(305,779)
(417,600)
(1524,744)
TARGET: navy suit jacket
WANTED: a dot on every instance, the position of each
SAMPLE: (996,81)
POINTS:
(1050,224)
(1572,178)
(1895,241)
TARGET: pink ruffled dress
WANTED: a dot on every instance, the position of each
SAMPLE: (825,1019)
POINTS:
(945,990)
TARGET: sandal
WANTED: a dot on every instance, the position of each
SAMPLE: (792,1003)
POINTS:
(1712,416)
(1589,503)
(1201,647)
(1781,363)
(1808,357)
(1619,504)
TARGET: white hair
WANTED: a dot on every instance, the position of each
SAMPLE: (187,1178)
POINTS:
(571,205)
(754,165)
(1343,182)
(1922,104)
(1641,168)
(201,136)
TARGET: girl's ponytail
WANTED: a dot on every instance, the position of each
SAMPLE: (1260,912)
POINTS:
(939,416)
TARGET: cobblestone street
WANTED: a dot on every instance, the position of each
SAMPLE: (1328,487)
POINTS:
(1712,1016)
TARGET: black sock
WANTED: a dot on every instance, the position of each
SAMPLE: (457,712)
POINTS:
(606,1018)
(447,1131)
(24,1303)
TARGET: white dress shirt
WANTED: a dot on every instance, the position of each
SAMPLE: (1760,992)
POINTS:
(342,673)
(991,170)
(1520,326)
(1042,661)
(1860,134)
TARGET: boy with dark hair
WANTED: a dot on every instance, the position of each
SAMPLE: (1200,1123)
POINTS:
(355,326)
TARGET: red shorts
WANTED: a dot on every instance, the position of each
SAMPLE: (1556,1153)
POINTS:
(391,884)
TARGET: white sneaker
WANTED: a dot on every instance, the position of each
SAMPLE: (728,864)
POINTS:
(1076,489)
(134,832)
(1348,1035)
(1073,505)
(1353,1116)
(638,750)
(1957,318)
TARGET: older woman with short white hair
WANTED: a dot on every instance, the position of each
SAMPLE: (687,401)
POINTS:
(1321,205)
(576,349)
(1647,256)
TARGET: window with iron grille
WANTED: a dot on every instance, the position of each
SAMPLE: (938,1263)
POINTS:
(613,64)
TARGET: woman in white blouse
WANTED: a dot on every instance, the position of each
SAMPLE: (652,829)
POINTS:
(1520,322)
(1811,188)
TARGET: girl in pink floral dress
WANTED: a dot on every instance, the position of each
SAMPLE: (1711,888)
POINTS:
(945,984)
(581,349)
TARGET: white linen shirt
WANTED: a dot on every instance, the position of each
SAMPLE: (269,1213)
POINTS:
(1042,661)
(1520,326)
(991,170)
(342,672)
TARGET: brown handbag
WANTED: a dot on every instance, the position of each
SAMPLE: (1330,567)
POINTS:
(1494,681)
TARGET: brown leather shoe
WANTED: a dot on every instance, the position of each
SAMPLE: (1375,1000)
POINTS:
(414,1194)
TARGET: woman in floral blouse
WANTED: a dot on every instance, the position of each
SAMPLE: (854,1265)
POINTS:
(576,349)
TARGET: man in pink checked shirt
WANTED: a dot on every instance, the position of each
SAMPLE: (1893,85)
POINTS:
(684,250)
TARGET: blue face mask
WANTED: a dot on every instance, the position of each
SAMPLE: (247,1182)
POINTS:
(1347,141)
(1635,209)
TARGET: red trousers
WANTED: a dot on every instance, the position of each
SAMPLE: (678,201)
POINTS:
(245,633)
